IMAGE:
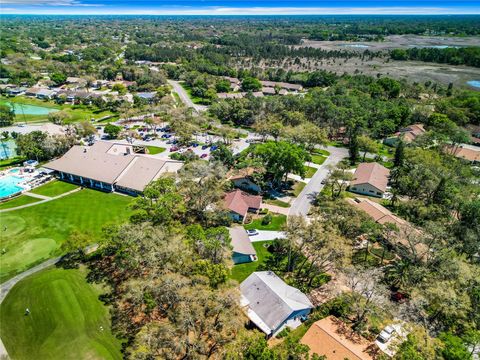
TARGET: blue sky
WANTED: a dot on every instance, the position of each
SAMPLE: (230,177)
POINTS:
(237,7)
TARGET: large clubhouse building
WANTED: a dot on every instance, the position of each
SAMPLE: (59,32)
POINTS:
(110,166)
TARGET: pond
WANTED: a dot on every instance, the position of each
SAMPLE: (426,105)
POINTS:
(26,109)
(474,83)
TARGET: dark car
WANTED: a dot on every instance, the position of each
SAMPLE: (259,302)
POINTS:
(214,147)
(173,148)
(203,156)
(204,147)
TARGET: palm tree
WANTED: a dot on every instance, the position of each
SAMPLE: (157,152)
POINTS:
(398,274)
(5,137)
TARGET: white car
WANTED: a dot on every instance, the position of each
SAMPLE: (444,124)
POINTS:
(252,232)
(386,334)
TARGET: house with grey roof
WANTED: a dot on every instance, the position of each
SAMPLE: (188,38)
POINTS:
(111,166)
(271,304)
(243,250)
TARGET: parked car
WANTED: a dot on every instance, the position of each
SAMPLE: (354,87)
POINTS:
(252,232)
(173,148)
(203,156)
(213,148)
(204,147)
(324,181)
(194,144)
(386,334)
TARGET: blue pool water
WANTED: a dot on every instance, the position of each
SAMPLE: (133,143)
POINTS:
(21,109)
(474,83)
(9,185)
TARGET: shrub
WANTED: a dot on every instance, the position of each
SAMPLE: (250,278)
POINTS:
(267,219)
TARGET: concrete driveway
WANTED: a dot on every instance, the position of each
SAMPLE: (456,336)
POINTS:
(301,205)
(264,235)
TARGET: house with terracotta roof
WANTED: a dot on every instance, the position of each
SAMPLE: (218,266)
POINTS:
(407,134)
(382,215)
(332,338)
(370,179)
(271,304)
(466,152)
(243,250)
(239,203)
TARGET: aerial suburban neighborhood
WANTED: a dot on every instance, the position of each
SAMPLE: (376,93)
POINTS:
(269,181)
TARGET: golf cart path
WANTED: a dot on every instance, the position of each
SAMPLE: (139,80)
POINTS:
(46,199)
(38,196)
(9,284)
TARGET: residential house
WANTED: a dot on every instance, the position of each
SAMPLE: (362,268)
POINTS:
(111,166)
(243,250)
(32,91)
(16,91)
(408,134)
(370,179)
(382,215)
(466,152)
(148,96)
(239,203)
(271,304)
(332,338)
(242,179)
(46,94)
(231,95)
(282,85)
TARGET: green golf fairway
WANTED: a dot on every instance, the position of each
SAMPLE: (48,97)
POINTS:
(66,320)
(34,234)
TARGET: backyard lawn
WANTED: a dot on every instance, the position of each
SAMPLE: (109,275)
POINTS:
(275,225)
(54,188)
(241,271)
(152,150)
(18,201)
(35,233)
(66,321)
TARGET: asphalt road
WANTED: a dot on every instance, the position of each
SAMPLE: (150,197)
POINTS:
(184,96)
(303,202)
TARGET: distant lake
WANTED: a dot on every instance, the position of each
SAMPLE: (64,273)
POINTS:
(474,83)
(29,109)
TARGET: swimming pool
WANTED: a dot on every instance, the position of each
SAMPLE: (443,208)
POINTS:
(9,185)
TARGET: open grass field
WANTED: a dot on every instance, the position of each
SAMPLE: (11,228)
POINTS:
(152,150)
(76,112)
(278,220)
(241,271)
(18,201)
(54,188)
(66,321)
(35,234)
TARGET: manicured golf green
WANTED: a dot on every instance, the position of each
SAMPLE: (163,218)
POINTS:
(66,320)
(54,188)
(18,201)
(35,233)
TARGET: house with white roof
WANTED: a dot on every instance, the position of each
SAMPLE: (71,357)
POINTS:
(271,304)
